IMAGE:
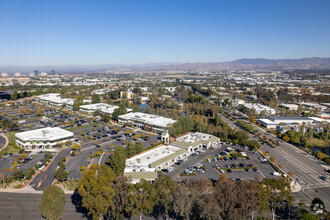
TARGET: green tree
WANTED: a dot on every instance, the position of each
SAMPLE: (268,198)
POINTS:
(117,160)
(76,147)
(164,189)
(96,98)
(52,203)
(119,111)
(105,117)
(96,113)
(95,188)
(60,174)
(17,175)
(29,173)
(118,209)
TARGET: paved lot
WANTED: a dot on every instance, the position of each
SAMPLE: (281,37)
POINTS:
(264,170)
(25,207)
(307,170)
(46,178)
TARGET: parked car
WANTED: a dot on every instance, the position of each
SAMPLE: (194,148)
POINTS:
(324,178)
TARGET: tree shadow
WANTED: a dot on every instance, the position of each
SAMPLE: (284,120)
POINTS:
(77,202)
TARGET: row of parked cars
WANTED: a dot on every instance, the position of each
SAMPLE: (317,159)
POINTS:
(197,168)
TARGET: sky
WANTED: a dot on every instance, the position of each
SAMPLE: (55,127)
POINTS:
(88,32)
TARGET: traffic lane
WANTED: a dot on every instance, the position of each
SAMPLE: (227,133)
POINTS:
(294,153)
(297,153)
(306,175)
(25,206)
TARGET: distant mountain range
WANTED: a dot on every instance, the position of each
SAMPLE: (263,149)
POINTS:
(240,64)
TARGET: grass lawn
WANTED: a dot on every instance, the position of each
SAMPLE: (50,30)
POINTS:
(80,127)
(315,142)
(8,149)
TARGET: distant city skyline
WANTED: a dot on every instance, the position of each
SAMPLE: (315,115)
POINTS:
(56,33)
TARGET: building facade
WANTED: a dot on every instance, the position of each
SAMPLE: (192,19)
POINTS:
(47,139)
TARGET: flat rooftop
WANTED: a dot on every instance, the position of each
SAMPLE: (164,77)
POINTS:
(267,121)
(290,118)
(48,133)
(155,120)
(103,107)
(143,160)
(194,137)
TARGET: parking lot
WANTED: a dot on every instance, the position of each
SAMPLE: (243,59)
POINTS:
(211,164)
(98,139)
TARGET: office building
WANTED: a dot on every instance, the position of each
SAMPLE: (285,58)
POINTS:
(147,122)
(43,139)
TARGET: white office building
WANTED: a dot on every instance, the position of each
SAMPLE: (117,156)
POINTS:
(43,139)
(259,108)
(290,106)
(150,122)
(102,107)
(146,164)
(193,142)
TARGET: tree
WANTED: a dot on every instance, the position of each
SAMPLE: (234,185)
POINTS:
(105,117)
(39,112)
(23,155)
(82,168)
(76,147)
(117,160)
(286,138)
(96,113)
(272,159)
(119,111)
(29,173)
(96,189)
(164,189)
(182,207)
(96,98)
(60,174)
(18,175)
(118,209)
(252,119)
(52,203)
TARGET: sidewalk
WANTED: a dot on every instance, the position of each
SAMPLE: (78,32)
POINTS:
(6,143)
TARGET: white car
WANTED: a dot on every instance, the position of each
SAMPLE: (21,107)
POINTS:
(276,174)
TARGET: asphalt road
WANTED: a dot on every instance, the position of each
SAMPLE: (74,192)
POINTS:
(46,178)
(23,206)
(306,168)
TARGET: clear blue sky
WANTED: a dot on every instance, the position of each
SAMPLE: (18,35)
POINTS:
(61,32)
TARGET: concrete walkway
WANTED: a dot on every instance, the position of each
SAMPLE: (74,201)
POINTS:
(4,143)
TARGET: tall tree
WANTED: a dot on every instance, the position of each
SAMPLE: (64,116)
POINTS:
(95,188)
(52,203)
(117,160)
(120,199)
(164,188)
(96,98)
